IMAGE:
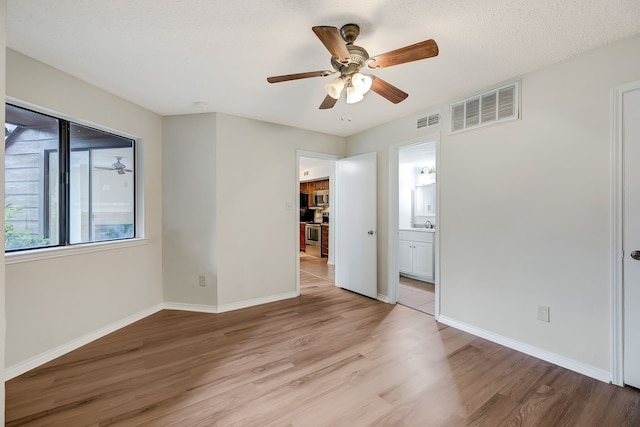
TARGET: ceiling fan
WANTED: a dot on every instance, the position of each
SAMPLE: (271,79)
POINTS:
(118,166)
(349,59)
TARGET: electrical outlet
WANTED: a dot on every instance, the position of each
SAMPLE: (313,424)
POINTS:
(543,313)
(201,281)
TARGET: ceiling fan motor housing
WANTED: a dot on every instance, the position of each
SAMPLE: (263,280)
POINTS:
(359,57)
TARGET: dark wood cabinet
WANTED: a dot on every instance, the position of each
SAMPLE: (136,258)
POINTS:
(302,235)
(325,240)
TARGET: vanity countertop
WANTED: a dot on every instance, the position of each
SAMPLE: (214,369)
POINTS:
(422,229)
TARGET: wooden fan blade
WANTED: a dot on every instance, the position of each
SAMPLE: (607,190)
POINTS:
(287,77)
(332,40)
(415,52)
(387,90)
(328,102)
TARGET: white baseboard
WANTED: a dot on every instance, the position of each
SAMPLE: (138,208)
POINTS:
(255,301)
(548,356)
(383,298)
(190,307)
(47,356)
(228,307)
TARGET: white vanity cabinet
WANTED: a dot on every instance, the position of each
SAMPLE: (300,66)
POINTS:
(416,254)
(424,200)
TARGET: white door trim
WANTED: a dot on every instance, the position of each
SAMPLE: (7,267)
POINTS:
(616,257)
(393,224)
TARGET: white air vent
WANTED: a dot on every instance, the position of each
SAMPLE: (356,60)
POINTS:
(429,120)
(494,106)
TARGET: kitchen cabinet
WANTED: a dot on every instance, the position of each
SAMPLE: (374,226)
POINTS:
(303,230)
(313,186)
(325,239)
(416,254)
(321,185)
(425,201)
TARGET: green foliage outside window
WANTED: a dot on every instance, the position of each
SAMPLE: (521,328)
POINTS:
(14,238)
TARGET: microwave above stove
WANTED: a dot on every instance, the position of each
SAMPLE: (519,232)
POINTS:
(321,198)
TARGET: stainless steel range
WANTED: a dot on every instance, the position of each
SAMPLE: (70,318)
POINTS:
(313,239)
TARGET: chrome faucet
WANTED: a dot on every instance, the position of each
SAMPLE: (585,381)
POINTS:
(427,224)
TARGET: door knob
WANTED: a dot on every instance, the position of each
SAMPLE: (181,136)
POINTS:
(370,232)
(635,255)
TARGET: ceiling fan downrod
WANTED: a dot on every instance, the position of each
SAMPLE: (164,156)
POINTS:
(350,33)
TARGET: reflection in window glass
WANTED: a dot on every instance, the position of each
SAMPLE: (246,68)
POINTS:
(31,143)
(79,197)
(102,198)
(52,203)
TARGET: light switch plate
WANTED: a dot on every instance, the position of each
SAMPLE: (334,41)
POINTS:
(543,313)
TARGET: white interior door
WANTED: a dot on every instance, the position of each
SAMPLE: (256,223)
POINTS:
(631,236)
(356,234)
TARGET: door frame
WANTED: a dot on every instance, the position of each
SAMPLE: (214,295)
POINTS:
(616,231)
(296,226)
(394,222)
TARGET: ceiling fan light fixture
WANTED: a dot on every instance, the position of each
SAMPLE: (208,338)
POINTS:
(334,89)
(353,95)
(361,82)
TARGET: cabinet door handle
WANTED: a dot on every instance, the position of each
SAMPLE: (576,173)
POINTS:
(635,255)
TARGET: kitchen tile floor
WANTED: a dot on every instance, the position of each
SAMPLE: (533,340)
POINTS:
(417,295)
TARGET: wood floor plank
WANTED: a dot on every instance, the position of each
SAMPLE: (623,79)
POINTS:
(326,358)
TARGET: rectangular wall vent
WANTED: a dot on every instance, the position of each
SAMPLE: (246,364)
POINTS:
(494,106)
(429,120)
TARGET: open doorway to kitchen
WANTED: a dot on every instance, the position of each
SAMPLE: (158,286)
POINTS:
(316,176)
(417,227)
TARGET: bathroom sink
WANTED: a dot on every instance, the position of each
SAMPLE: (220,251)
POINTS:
(422,228)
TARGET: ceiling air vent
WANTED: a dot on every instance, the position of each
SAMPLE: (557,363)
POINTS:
(429,120)
(494,106)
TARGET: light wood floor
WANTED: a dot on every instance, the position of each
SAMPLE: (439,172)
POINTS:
(327,358)
(417,295)
(317,267)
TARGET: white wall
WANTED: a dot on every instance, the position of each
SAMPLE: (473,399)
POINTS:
(3,9)
(51,302)
(189,194)
(256,180)
(315,168)
(524,209)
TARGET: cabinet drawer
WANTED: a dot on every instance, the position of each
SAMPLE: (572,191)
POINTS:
(416,236)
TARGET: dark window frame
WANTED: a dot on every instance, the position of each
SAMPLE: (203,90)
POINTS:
(64,183)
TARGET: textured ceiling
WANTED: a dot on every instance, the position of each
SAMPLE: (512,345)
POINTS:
(170,55)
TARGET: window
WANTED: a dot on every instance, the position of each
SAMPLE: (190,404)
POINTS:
(65,183)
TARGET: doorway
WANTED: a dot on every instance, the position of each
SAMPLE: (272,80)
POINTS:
(316,176)
(417,226)
(351,229)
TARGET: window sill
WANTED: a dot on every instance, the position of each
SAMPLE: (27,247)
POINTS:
(62,251)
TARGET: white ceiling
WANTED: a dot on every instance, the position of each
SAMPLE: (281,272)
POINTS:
(168,55)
